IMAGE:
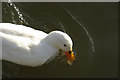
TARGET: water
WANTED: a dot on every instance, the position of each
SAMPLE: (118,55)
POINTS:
(92,27)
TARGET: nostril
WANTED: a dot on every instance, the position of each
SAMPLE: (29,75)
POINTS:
(70,52)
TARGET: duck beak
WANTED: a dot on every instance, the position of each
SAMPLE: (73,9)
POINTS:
(70,56)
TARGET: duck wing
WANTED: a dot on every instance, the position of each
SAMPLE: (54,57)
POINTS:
(21,30)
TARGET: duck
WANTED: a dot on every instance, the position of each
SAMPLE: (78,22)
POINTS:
(27,46)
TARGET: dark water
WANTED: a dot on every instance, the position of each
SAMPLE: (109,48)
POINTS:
(92,27)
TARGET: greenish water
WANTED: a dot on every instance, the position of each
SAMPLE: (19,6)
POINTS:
(92,27)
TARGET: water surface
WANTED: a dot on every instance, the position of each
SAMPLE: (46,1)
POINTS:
(92,27)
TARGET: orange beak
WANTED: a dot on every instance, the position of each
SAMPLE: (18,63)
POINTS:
(70,56)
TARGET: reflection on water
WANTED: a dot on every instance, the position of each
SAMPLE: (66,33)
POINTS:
(57,16)
(91,41)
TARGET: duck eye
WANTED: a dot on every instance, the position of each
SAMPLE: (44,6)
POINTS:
(65,45)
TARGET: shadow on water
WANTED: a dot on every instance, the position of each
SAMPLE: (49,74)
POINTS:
(48,17)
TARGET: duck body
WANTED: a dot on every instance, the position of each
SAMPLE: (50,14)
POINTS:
(25,46)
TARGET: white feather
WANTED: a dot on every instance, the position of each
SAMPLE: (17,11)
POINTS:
(27,46)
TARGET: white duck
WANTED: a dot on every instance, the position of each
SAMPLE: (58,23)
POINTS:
(27,46)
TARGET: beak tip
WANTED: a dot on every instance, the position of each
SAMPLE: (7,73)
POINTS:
(71,57)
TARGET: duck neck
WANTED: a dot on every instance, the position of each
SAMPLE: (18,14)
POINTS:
(52,41)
